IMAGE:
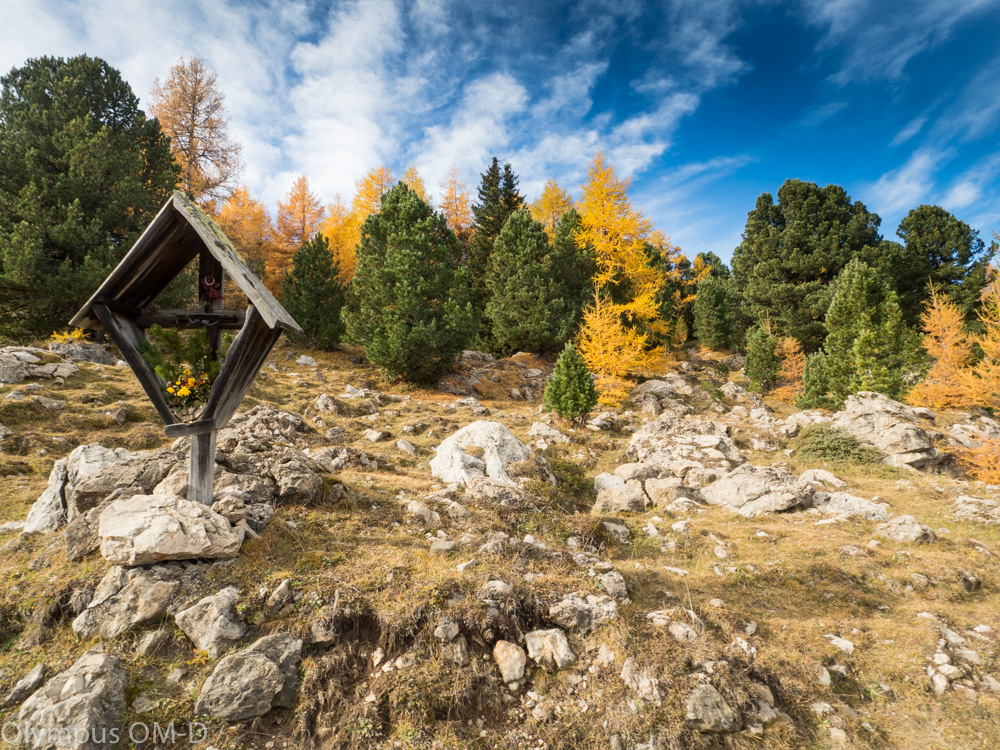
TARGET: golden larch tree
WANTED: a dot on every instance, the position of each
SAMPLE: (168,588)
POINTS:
(947,342)
(549,207)
(368,192)
(983,379)
(299,217)
(343,231)
(620,237)
(415,182)
(191,110)
(454,204)
(793,365)
(248,226)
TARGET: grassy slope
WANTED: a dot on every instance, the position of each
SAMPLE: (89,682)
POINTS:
(364,553)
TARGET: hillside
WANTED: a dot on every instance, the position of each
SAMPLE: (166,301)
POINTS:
(694,601)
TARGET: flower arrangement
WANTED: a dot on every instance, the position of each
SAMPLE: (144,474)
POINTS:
(77,334)
(186,364)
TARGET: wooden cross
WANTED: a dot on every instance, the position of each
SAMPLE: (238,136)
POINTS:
(179,233)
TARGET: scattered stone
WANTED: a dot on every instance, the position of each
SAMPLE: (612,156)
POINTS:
(707,711)
(376,436)
(621,499)
(905,529)
(211,623)
(843,505)
(976,509)
(821,477)
(642,682)
(443,548)
(511,660)
(304,360)
(251,682)
(406,446)
(549,649)
(26,686)
(842,643)
(583,616)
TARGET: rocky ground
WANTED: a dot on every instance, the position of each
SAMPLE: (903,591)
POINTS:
(390,566)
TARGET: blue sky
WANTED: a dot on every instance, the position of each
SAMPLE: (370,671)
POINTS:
(704,103)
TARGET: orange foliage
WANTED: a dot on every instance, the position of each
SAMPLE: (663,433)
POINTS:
(299,217)
(793,362)
(983,379)
(415,183)
(248,226)
(550,206)
(343,231)
(616,336)
(983,462)
(611,350)
(369,191)
(946,340)
(455,204)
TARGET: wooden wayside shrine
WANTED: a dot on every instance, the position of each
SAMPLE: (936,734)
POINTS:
(180,233)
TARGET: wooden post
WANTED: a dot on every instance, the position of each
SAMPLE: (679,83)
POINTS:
(201,468)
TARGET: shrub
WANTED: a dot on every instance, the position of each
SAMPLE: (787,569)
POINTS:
(570,392)
(821,444)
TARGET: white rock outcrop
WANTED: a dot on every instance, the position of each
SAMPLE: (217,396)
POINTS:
(495,447)
(147,529)
(754,490)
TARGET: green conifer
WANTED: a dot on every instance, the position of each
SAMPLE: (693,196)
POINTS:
(762,364)
(313,294)
(570,392)
(408,303)
(713,313)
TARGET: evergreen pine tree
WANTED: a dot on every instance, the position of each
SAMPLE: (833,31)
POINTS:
(570,392)
(527,310)
(762,364)
(713,314)
(573,266)
(313,294)
(496,200)
(867,348)
(408,303)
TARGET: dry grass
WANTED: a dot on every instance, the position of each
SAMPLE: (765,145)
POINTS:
(366,554)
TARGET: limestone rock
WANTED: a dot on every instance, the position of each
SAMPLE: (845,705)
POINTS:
(124,599)
(905,529)
(583,616)
(669,439)
(82,351)
(822,478)
(707,711)
(253,681)
(49,511)
(754,490)
(511,660)
(210,624)
(146,529)
(843,505)
(546,435)
(25,687)
(629,497)
(981,510)
(84,702)
(549,649)
(890,426)
(642,682)
(663,492)
(498,449)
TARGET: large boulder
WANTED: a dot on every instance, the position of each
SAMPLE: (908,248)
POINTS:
(253,681)
(48,512)
(844,505)
(892,427)
(479,449)
(623,498)
(754,490)
(147,529)
(79,708)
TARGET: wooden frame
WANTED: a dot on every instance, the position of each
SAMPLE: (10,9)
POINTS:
(180,233)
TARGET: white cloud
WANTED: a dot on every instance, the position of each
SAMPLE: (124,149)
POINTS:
(911,128)
(906,187)
(879,41)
